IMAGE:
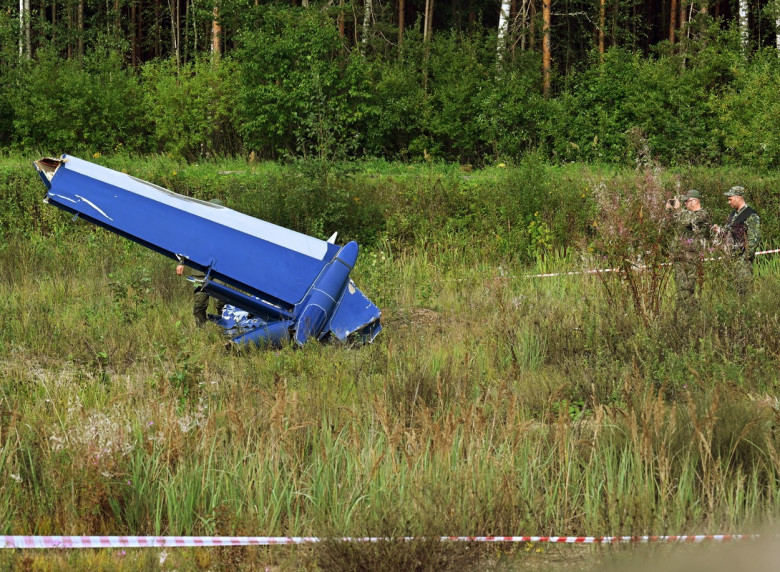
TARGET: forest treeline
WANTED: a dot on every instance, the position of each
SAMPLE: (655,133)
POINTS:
(296,81)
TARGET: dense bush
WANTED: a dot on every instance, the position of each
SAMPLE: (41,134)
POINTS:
(62,105)
(748,113)
(302,92)
(398,108)
(668,99)
(192,110)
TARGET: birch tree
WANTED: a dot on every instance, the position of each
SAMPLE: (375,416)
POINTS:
(367,7)
(776,12)
(22,19)
(503,26)
(744,32)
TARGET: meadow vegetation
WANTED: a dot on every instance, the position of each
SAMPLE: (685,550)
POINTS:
(493,403)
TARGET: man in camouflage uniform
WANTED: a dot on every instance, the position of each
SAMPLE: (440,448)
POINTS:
(692,233)
(200,300)
(741,234)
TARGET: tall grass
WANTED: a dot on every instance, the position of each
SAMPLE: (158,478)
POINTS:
(492,403)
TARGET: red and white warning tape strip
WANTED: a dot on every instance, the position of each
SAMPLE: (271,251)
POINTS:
(207,541)
(599,270)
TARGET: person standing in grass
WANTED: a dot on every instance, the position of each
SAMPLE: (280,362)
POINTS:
(692,233)
(741,232)
(200,300)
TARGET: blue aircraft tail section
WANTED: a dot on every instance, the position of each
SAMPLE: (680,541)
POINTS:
(286,279)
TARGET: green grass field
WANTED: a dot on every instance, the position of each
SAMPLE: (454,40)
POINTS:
(491,404)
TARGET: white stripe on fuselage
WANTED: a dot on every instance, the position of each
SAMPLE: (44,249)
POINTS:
(94,206)
(284,237)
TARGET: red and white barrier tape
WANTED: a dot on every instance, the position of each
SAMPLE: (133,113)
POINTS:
(598,270)
(212,541)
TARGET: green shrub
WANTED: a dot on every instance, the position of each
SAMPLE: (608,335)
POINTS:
(398,109)
(62,105)
(666,98)
(748,111)
(301,92)
(461,75)
(192,110)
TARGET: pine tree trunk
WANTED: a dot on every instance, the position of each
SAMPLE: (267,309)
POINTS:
(133,35)
(80,45)
(520,22)
(69,16)
(194,28)
(523,16)
(401,18)
(426,40)
(216,32)
(139,33)
(175,35)
(157,30)
(672,20)
(342,30)
(187,14)
(426,23)
(602,23)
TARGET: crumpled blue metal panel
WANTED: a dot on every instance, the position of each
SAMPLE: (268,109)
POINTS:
(289,281)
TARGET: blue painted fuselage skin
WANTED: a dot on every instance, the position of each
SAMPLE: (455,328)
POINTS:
(298,286)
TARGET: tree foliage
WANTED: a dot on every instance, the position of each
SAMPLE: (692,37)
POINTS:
(289,84)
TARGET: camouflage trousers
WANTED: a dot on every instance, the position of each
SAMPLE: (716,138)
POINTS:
(200,302)
(687,273)
(200,306)
(742,275)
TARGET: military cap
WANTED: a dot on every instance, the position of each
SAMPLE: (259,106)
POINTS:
(692,194)
(736,191)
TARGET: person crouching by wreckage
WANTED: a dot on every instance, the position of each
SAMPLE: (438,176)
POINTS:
(200,300)
(740,236)
(692,233)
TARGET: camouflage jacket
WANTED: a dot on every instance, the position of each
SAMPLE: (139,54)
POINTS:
(743,231)
(692,231)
